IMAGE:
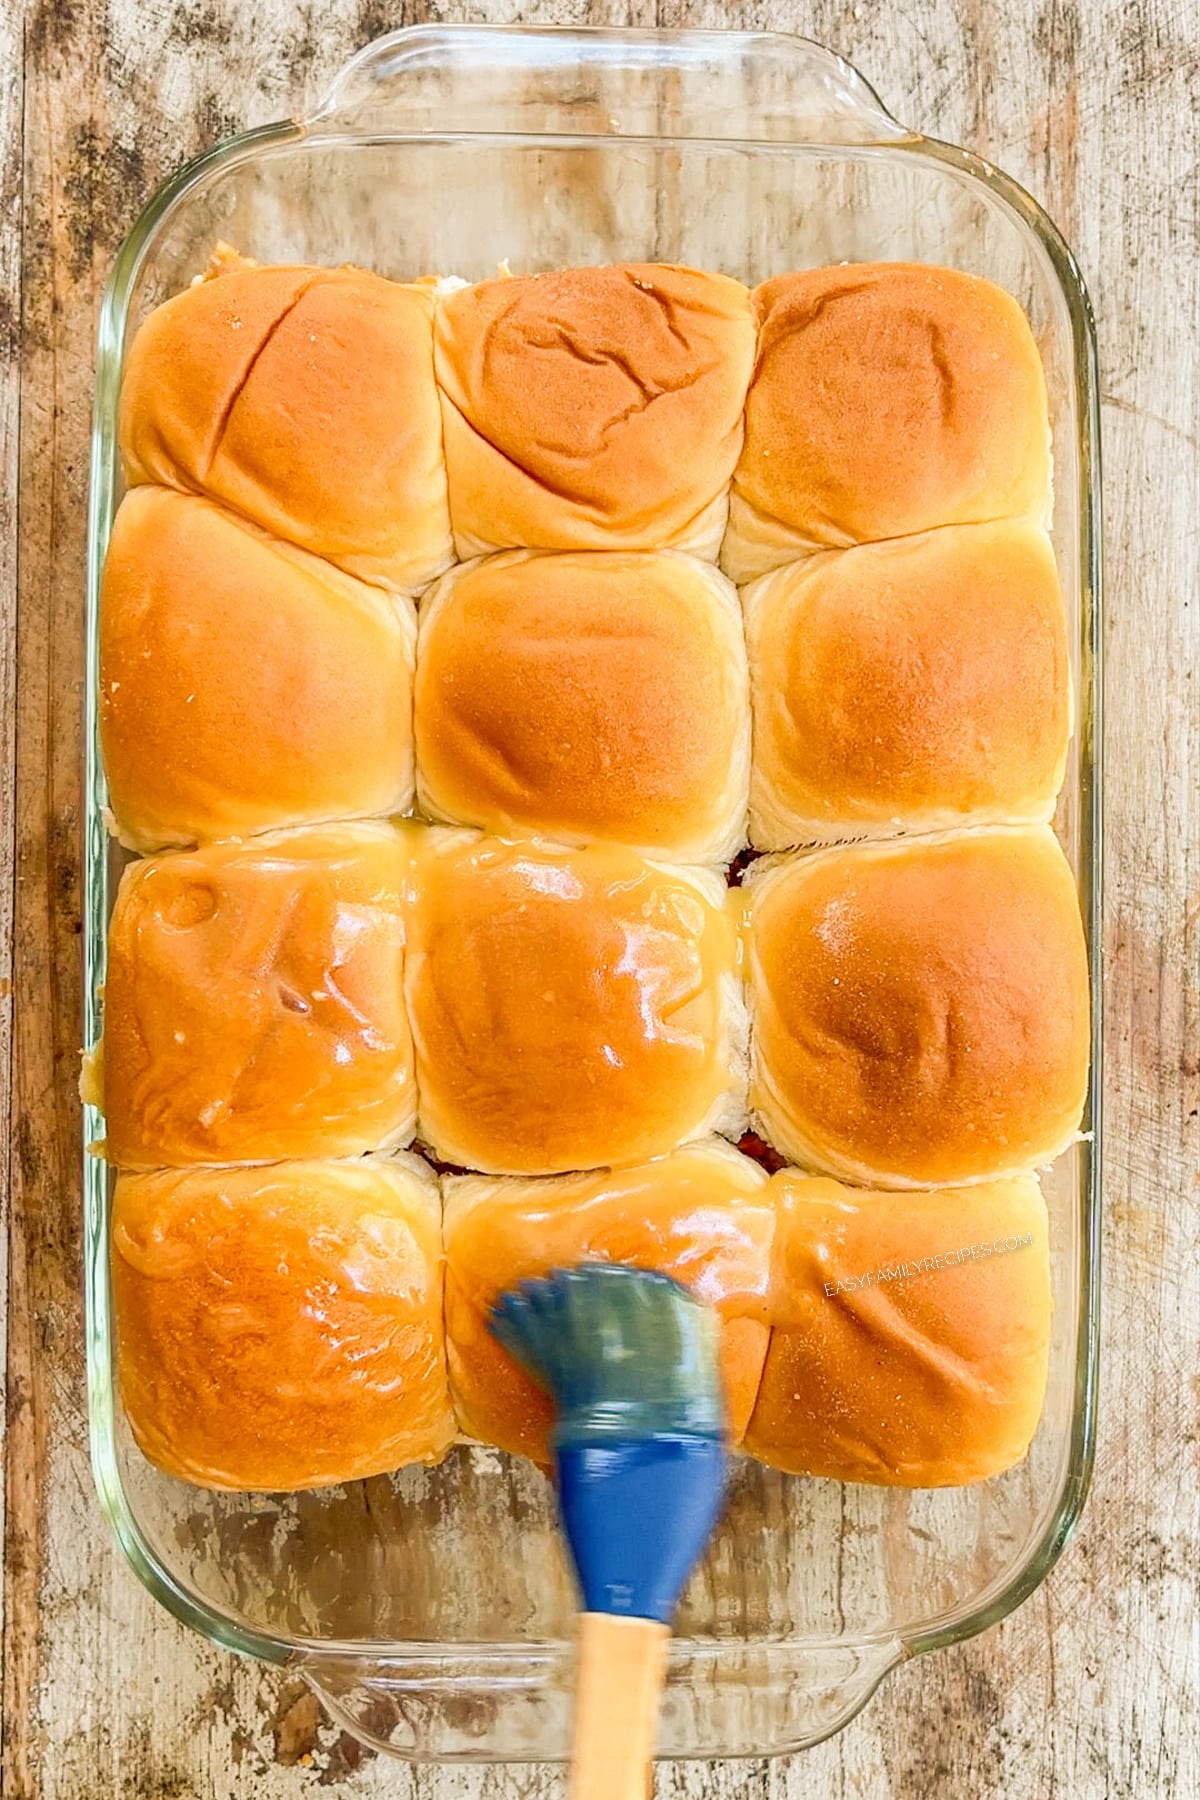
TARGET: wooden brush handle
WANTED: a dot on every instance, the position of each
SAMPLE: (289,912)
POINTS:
(622,1668)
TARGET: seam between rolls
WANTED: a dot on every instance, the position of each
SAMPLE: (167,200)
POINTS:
(762,1373)
(807,550)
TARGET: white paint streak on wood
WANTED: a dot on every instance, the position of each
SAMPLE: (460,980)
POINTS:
(1090,1690)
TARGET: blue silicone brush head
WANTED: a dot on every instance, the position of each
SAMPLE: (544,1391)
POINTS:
(629,1358)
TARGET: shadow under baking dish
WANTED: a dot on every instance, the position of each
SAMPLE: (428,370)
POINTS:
(431,1609)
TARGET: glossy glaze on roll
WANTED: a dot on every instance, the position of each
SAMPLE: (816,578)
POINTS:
(584,696)
(253,1007)
(569,1008)
(700,1214)
(281,1327)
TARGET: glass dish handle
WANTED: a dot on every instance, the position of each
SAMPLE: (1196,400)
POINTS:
(511,1703)
(718,86)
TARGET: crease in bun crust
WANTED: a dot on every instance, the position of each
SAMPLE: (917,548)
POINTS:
(305,400)
(595,408)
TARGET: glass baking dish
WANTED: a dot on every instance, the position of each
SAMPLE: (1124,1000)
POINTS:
(431,1610)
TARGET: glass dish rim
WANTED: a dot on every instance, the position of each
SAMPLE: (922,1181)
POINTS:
(1016,1586)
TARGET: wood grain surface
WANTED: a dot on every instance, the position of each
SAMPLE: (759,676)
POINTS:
(1093,1687)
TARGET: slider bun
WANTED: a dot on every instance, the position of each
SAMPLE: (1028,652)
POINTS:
(587,695)
(570,1009)
(701,1215)
(594,409)
(920,1008)
(253,1006)
(911,1378)
(305,400)
(244,685)
(914,685)
(281,1328)
(887,398)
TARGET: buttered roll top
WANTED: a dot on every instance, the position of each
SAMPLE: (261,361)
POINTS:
(569,1008)
(281,1327)
(700,1214)
(254,1002)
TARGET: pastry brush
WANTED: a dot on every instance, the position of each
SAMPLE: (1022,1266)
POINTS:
(629,1358)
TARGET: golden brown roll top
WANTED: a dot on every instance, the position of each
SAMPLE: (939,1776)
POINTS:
(914,684)
(920,1009)
(887,398)
(254,1007)
(285,1327)
(920,1006)
(583,696)
(569,1008)
(244,685)
(701,1215)
(594,409)
(910,1335)
(305,400)
(281,1327)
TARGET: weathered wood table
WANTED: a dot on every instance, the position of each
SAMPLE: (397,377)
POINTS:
(1093,1687)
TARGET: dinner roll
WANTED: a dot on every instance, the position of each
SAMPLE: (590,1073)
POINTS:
(570,1008)
(910,1339)
(887,398)
(914,685)
(700,1214)
(282,1327)
(594,409)
(920,1008)
(253,1006)
(587,695)
(304,399)
(244,684)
